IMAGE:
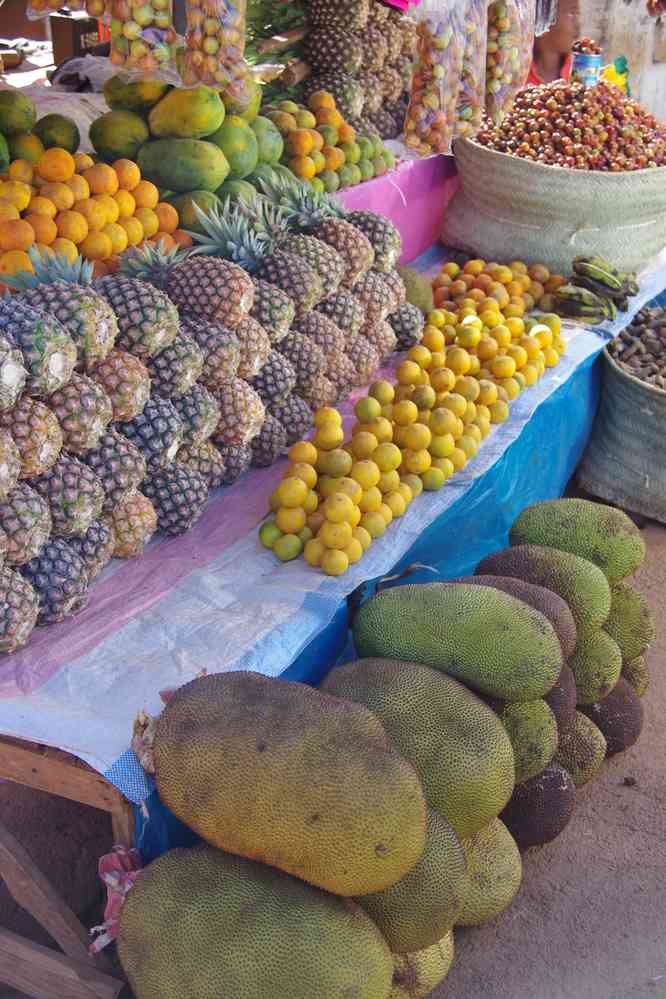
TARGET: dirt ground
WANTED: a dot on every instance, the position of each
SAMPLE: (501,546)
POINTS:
(589,921)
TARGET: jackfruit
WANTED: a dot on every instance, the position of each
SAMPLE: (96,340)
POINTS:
(201,924)
(582,752)
(281,773)
(550,604)
(637,675)
(630,622)
(580,583)
(456,743)
(418,288)
(541,808)
(416,975)
(483,637)
(422,907)
(596,665)
(532,729)
(495,871)
(562,700)
(619,717)
(596,532)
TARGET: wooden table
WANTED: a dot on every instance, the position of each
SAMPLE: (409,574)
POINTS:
(29,967)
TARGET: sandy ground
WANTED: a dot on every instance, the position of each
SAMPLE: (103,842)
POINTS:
(588,923)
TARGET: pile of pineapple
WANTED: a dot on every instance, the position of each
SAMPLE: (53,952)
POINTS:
(362,53)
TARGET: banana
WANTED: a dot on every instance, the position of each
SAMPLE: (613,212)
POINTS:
(594,270)
(572,293)
(601,290)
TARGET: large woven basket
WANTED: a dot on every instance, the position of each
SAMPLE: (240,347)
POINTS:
(508,208)
(625,460)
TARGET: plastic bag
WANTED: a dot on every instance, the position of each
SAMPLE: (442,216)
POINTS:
(214,46)
(143,36)
(510,45)
(431,117)
(546,16)
(471,96)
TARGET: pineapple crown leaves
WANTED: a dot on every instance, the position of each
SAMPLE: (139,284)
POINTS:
(303,207)
(49,269)
(151,263)
(229,233)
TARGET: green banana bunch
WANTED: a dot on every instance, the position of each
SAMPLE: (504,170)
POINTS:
(619,298)
(581,304)
(601,271)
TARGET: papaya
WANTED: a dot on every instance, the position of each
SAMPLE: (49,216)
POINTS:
(184,205)
(239,144)
(235,189)
(269,140)
(183,165)
(25,146)
(187,114)
(123,94)
(58,130)
(248,107)
(4,154)
(118,135)
(17,113)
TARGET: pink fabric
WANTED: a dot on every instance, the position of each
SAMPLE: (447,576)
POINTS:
(414,197)
(118,872)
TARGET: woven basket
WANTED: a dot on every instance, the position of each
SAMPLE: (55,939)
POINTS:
(625,460)
(508,208)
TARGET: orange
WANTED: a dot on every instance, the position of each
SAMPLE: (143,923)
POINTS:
(321,99)
(65,248)
(503,367)
(126,204)
(146,194)
(83,162)
(100,269)
(113,263)
(16,234)
(327,116)
(346,133)
(167,217)
(102,179)
(117,235)
(317,139)
(474,267)
(96,246)
(164,240)
(8,211)
(134,230)
(79,187)
(72,225)
(44,228)
(300,142)
(61,195)
(17,192)
(109,204)
(14,261)
(56,165)
(303,166)
(93,212)
(334,157)
(148,220)
(128,174)
(182,238)
(21,170)
(44,250)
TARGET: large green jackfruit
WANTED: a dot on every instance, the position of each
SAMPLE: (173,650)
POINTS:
(541,808)
(596,665)
(562,700)
(416,975)
(202,924)
(630,622)
(495,871)
(532,729)
(456,743)
(422,907)
(582,752)
(580,583)
(477,634)
(594,531)
(619,717)
(637,675)
(281,773)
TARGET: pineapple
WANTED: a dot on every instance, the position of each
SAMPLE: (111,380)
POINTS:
(276,379)
(306,358)
(84,411)
(383,235)
(295,416)
(410,38)
(345,310)
(318,392)
(19,607)
(178,495)
(342,373)
(95,547)
(119,465)
(269,444)
(391,83)
(199,411)
(378,14)
(10,464)
(373,94)
(375,297)
(396,287)
(75,496)
(13,374)
(61,289)
(59,578)
(345,90)
(322,331)
(237,459)
(299,279)
(37,435)
(26,520)
(393,34)
(49,353)
(382,338)
(349,15)
(175,369)
(334,50)
(255,346)
(133,522)
(242,414)
(375,48)
(325,260)
(221,350)
(364,357)
(158,432)
(126,381)
(147,319)
(273,309)
(408,325)
(205,459)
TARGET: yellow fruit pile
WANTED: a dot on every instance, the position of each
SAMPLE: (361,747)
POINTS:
(337,496)
(70,205)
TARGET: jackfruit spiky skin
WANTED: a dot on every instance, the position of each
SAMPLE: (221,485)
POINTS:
(599,533)
(619,717)
(416,975)
(495,871)
(548,603)
(281,773)
(477,634)
(201,924)
(583,751)
(422,907)
(596,665)
(532,729)
(456,743)
(581,584)
(562,700)
(419,289)
(630,622)
(637,675)
(541,808)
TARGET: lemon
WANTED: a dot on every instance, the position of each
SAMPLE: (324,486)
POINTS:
(470,412)
(511,386)
(303,452)
(413,482)
(445,465)
(17,192)
(311,503)
(396,503)
(458,360)
(371,500)
(484,425)
(367,409)
(364,444)
(473,431)
(335,535)
(354,551)
(383,392)
(417,437)
(313,552)
(117,235)
(416,462)
(302,470)
(329,436)
(420,355)
(408,373)
(458,459)
(487,392)
(338,508)
(355,516)
(290,519)
(381,428)
(442,446)
(468,445)
(443,421)
(366,473)
(389,481)
(291,492)
(551,357)
(405,412)
(530,373)
(327,485)
(434,338)
(406,492)
(334,562)
(499,411)
(457,404)
(288,547)
(269,532)
(386,512)
(468,388)
(335,462)
(424,397)
(327,416)
(433,480)
(349,487)
(541,333)
(388,457)
(305,535)
(361,535)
